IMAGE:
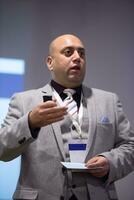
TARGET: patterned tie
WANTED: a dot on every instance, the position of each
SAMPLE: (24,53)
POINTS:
(70,103)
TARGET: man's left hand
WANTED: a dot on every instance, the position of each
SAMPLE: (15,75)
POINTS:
(98,166)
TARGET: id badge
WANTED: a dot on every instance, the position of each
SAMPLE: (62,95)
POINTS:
(77,150)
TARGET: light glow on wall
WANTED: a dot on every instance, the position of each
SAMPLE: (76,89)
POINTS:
(11,81)
(12,66)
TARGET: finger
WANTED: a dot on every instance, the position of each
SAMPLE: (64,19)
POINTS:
(99,173)
(48,104)
(54,115)
(54,111)
(92,162)
(97,161)
(50,121)
(95,168)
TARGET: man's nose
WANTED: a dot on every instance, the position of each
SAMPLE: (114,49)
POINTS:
(76,55)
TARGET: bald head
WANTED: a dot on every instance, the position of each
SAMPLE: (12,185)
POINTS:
(61,40)
(66,60)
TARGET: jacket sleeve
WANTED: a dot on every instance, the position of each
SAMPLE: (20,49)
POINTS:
(15,134)
(121,157)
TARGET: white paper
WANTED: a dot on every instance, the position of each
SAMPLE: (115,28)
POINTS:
(78,166)
(72,165)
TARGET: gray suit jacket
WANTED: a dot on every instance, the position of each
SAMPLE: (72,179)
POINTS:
(42,176)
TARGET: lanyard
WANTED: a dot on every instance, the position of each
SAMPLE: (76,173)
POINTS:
(76,123)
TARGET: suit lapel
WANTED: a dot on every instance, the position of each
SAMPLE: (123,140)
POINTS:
(47,91)
(46,95)
(87,92)
(57,132)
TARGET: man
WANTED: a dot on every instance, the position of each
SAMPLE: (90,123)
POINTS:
(39,127)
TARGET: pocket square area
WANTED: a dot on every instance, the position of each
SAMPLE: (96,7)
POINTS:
(104,120)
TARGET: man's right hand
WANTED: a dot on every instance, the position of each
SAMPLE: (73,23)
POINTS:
(46,113)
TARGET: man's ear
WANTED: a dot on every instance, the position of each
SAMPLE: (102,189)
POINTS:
(49,61)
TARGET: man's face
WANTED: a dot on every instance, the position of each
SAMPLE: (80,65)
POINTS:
(67,61)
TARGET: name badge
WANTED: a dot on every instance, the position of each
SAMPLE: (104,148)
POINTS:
(77,152)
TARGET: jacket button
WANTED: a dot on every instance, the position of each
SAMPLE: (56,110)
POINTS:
(61,198)
(63,170)
(22,140)
(73,186)
(73,127)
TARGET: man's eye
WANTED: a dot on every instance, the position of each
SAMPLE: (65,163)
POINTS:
(81,53)
(68,52)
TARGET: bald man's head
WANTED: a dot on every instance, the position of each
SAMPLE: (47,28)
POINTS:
(66,60)
(60,40)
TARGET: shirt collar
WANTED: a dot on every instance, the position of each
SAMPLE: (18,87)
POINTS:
(59,88)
